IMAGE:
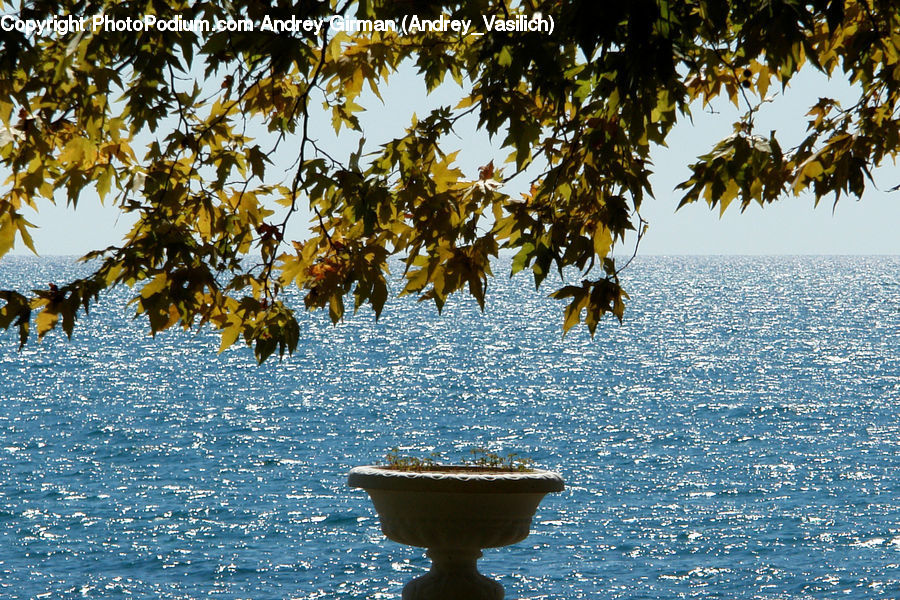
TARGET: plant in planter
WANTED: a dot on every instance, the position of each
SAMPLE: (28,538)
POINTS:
(455,511)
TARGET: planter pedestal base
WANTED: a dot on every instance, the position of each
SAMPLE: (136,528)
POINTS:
(453,575)
(454,512)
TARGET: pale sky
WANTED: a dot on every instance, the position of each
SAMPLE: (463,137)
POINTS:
(790,226)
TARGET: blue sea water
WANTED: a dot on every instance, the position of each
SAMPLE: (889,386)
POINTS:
(737,437)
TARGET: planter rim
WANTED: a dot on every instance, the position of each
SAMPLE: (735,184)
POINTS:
(532,481)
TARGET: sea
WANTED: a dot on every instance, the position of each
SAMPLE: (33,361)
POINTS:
(736,437)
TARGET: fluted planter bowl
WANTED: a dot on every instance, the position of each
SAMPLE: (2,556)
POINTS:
(455,512)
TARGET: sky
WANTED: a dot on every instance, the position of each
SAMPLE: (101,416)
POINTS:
(790,226)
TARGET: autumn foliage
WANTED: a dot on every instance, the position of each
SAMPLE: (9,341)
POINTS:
(156,123)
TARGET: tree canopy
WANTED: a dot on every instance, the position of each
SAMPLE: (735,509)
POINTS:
(154,107)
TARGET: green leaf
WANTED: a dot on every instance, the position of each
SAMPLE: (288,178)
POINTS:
(574,310)
(7,233)
(257,161)
(336,308)
(104,181)
(379,296)
(523,256)
(230,335)
(46,321)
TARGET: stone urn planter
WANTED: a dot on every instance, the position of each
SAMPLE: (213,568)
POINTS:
(454,512)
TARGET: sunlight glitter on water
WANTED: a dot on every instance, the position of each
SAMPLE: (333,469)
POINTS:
(712,445)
